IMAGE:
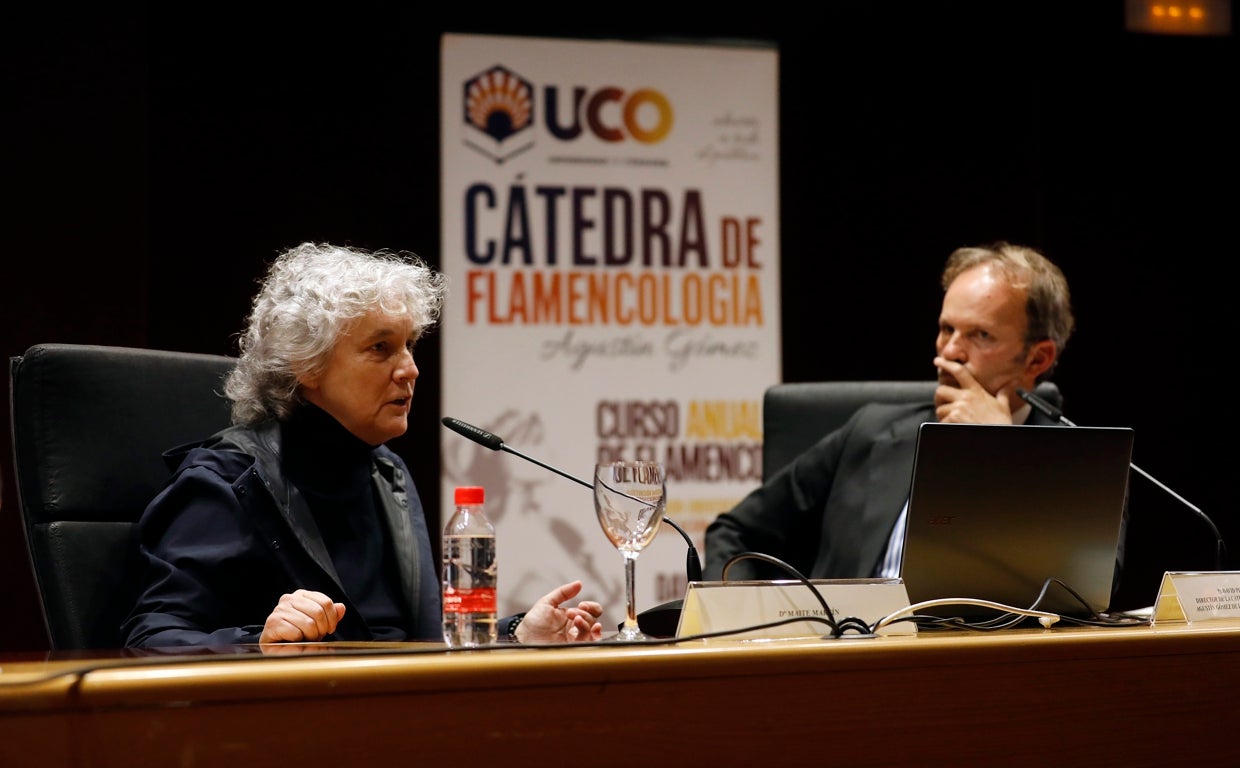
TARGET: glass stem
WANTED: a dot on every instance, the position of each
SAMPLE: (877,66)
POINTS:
(630,586)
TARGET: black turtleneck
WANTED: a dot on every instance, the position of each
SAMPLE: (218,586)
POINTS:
(331,467)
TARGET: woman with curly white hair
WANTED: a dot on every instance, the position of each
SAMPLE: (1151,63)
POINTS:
(297,523)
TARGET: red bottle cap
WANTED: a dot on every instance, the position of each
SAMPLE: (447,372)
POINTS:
(470,494)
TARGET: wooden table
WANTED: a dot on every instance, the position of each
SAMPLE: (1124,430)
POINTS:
(1157,696)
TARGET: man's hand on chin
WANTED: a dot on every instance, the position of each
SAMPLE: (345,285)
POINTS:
(961,399)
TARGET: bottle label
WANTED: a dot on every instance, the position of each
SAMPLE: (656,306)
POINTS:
(477,600)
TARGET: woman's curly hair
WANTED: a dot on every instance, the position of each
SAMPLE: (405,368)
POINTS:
(309,297)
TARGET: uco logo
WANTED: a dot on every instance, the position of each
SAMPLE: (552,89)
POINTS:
(499,105)
(611,114)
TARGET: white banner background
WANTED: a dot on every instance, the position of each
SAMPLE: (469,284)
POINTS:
(673,175)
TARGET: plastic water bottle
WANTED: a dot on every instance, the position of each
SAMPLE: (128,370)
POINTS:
(469,572)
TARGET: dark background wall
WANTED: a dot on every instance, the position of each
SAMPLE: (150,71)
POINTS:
(155,162)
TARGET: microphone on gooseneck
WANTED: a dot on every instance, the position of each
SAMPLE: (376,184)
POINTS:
(660,620)
(1056,414)
(1048,410)
(495,443)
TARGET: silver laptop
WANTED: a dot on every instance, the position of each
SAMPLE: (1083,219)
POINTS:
(996,510)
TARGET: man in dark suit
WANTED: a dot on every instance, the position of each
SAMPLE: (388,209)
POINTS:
(837,511)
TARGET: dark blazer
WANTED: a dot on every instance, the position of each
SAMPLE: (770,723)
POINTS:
(229,535)
(830,512)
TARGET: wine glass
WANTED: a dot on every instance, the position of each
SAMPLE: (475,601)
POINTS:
(629,498)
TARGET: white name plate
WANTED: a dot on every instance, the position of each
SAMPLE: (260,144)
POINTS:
(1188,596)
(720,606)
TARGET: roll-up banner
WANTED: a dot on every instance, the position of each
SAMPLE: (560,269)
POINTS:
(611,241)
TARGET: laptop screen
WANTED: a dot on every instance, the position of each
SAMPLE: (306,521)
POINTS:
(996,510)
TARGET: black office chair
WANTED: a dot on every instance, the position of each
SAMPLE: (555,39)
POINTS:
(89,426)
(796,415)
